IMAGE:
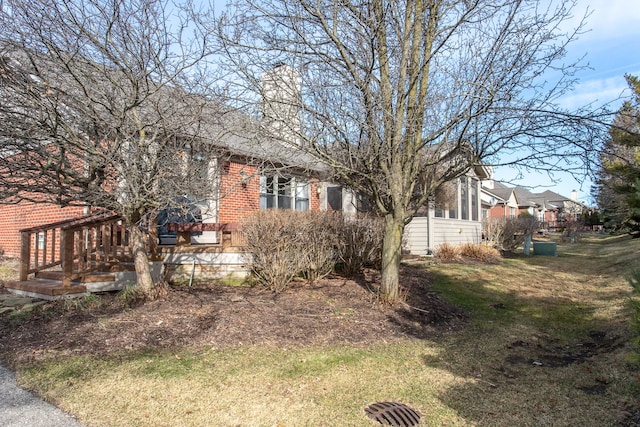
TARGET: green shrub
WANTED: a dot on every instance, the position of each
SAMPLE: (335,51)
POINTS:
(87,301)
(130,295)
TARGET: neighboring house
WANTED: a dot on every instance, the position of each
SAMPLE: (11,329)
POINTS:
(478,197)
(550,208)
(502,200)
(459,220)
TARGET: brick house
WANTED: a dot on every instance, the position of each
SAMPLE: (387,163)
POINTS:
(260,167)
(550,208)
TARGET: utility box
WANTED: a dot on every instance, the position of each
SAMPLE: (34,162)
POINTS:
(545,248)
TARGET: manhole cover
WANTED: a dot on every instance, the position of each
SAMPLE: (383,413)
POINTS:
(393,414)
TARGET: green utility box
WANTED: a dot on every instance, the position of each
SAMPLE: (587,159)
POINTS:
(545,248)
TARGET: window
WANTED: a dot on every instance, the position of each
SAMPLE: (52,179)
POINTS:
(302,196)
(464,198)
(334,198)
(41,240)
(278,192)
(439,212)
(474,199)
(512,212)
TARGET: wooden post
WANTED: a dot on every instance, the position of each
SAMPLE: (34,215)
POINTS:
(152,225)
(106,241)
(67,246)
(53,245)
(25,255)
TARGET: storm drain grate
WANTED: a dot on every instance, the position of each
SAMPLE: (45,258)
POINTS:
(393,414)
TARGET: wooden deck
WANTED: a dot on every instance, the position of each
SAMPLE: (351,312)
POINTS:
(91,254)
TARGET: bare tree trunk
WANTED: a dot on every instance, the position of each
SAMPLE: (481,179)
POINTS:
(144,282)
(391,251)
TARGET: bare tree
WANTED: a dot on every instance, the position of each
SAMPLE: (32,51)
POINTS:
(402,96)
(107,103)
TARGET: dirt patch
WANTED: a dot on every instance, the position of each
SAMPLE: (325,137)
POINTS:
(546,352)
(332,310)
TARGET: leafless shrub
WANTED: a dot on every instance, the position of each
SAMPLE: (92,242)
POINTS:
(479,251)
(318,239)
(447,252)
(507,234)
(286,244)
(571,231)
(360,243)
(271,238)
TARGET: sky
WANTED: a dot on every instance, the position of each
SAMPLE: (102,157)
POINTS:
(610,46)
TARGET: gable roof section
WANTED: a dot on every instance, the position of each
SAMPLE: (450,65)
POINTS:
(547,200)
(500,190)
(234,132)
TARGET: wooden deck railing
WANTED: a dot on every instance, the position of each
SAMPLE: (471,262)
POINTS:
(78,246)
(84,245)
(229,234)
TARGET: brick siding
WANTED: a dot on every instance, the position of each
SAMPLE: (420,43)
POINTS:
(238,200)
(24,215)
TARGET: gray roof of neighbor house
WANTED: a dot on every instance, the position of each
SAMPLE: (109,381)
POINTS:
(548,200)
(501,191)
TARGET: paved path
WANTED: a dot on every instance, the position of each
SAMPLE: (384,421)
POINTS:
(19,408)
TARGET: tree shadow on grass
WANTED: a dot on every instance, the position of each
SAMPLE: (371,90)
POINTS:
(524,359)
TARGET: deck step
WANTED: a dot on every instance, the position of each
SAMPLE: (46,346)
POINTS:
(86,278)
(46,288)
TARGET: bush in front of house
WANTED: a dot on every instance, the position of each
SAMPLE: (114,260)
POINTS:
(286,244)
(447,252)
(276,240)
(318,239)
(359,243)
(507,234)
(480,251)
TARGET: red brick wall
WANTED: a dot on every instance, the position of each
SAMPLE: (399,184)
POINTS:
(314,195)
(24,215)
(238,199)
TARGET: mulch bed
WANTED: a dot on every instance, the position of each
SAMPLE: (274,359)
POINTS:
(333,310)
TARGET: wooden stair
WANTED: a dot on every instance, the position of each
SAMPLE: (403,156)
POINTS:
(45,289)
(87,278)
(47,284)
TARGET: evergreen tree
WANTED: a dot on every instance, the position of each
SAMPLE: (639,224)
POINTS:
(617,189)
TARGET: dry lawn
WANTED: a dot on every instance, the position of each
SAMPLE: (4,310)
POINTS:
(546,344)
